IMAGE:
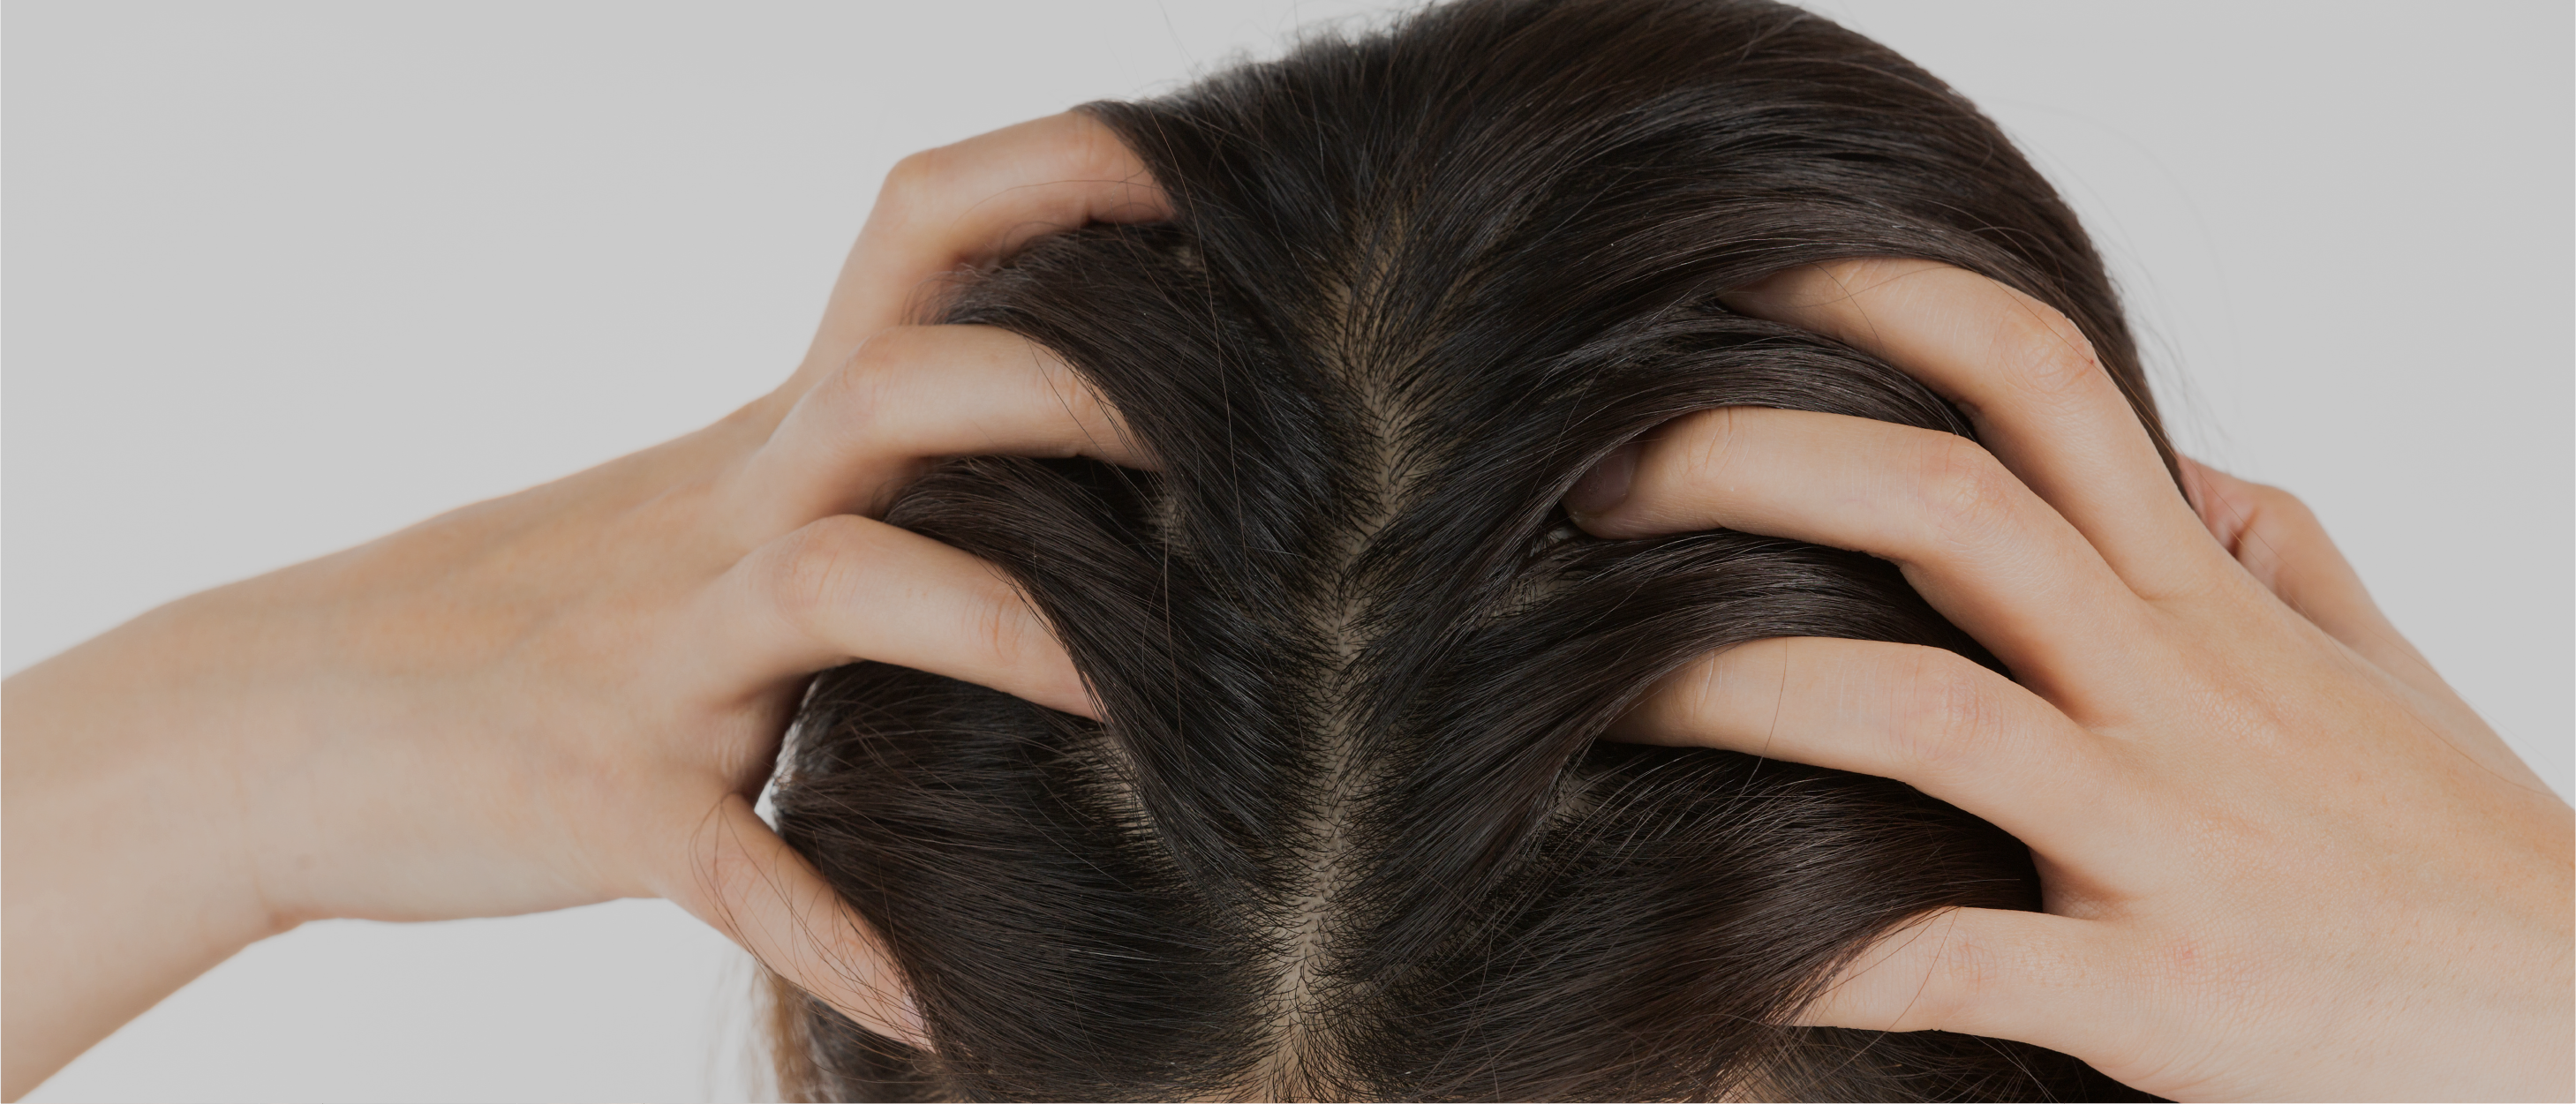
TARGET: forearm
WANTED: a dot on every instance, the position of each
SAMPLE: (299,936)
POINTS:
(126,869)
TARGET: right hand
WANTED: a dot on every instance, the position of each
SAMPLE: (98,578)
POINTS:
(573,693)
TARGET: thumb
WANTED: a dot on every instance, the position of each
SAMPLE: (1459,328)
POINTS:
(2279,541)
(2281,544)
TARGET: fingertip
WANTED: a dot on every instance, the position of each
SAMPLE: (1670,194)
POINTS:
(1142,199)
(1069,692)
(1769,296)
(742,879)
(1603,489)
(914,1033)
(1979,971)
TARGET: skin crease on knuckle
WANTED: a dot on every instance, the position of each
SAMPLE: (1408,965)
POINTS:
(866,404)
(814,572)
(1959,499)
(866,400)
(1953,723)
(1713,437)
(2050,362)
(1007,631)
(1961,974)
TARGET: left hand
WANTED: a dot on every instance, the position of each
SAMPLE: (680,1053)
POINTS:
(2279,856)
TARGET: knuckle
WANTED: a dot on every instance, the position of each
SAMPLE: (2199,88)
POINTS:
(890,349)
(1968,974)
(1003,627)
(1699,692)
(912,180)
(814,570)
(1966,495)
(1712,436)
(1953,719)
(2280,503)
(2052,360)
(861,393)
(1929,973)
(1083,143)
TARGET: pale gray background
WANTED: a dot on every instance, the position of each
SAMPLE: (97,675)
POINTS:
(283,278)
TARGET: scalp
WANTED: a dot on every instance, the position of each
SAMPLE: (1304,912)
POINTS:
(1345,828)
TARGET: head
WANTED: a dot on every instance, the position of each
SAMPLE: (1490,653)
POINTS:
(1347,827)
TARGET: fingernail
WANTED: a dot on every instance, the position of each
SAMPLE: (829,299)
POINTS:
(1606,485)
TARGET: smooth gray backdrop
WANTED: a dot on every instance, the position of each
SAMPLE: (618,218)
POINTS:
(282,278)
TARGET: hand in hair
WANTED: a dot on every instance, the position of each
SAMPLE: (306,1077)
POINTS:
(2281,857)
(570,694)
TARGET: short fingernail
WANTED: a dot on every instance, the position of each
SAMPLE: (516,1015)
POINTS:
(1606,485)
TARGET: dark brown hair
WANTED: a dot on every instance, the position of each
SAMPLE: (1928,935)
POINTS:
(1346,830)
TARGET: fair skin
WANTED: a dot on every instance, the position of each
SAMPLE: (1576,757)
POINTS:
(571,695)
(2280,857)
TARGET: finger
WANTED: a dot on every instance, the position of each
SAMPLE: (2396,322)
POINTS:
(1972,540)
(2284,547)
(971,203)
(747,883)
(911,396)
(2281,544)
(847,588)
(2001,974)
(2028,379)
(1930,718)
